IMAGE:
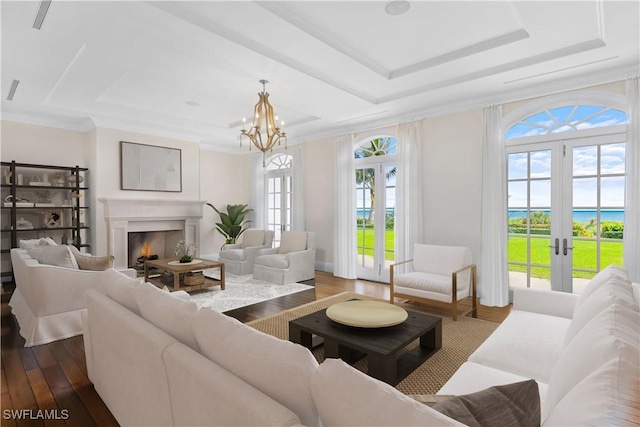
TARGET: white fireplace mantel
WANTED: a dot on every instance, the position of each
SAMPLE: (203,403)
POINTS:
(125,215)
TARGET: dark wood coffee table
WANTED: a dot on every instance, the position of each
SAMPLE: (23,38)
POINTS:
(380,345)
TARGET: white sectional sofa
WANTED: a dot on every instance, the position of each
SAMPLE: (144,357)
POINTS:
(158,360)
(582,350)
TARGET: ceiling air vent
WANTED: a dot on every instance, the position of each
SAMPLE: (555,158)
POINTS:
(42,13)
(12,91)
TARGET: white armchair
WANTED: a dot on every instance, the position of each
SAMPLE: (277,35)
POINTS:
(239,258)
(293,261)
(441,275)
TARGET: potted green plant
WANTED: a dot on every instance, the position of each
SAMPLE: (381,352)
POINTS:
(233,222)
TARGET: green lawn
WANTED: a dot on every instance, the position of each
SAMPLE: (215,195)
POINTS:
(584,252)
(584,255)
(366,237)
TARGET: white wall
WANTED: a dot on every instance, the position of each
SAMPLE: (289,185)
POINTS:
(452,180)
(42,145)
(225,179)
(107,175)
(218,178)
(319,162)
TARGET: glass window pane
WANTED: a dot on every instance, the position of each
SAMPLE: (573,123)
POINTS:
(271,185)
(584,111)
(540,251)
(585,193)
(520,130)
(517,251)
(542,118)
(541,194)
(585,160)
(518,194)
(612,158)
(612,192)
(517,166)
(561,114)
(277,185)
(541,164)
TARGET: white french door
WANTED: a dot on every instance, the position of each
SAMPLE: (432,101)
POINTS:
(278,194)
(566,210)
(375,213)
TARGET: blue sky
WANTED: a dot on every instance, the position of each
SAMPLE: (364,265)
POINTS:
(584,180)
(568,118)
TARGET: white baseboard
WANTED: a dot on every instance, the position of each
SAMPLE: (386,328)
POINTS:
(324,266)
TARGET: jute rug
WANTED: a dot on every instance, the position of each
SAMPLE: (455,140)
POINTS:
(459,340)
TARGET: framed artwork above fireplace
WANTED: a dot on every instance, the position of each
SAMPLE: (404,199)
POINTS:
(150,167)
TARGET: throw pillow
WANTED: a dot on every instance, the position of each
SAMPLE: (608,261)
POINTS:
(167,313)
(31,243)
(280,369)
(121,289)
(614,291)
(600,279)
(86,261)
(516,404)
(253,238)
(293,241)
(613,333)
(345,396)
(606,397)
(59,256)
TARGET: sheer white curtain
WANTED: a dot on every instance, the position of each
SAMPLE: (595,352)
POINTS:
(297,176)
(344,247)
(408,220)
(257,192)
(632,201)
(494,282)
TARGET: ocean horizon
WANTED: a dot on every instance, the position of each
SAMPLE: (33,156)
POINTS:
(579,215)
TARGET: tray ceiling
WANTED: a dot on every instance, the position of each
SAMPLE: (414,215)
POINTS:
(190,69)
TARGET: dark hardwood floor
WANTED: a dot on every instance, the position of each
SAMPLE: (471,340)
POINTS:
(50,381)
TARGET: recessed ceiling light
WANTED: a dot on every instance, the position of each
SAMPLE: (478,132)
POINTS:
(397,7)
(192,103)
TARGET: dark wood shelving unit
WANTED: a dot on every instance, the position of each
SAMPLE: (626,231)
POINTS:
(10,214)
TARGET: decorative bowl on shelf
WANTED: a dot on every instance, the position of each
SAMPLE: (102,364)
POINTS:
(23,224)
(72,179)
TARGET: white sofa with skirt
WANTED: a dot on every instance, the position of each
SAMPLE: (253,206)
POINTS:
(48,299)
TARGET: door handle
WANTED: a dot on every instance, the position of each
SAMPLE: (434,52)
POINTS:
(565,247)
(556,246)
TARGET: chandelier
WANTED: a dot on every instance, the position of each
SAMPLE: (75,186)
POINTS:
(263,113)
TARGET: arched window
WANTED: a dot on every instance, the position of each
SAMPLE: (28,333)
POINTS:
(566,119)
(279,161)
(566,184)
(279,194)
(376,147)
(375,181)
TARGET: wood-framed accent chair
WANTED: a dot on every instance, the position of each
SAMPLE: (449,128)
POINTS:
(239,258)
(440,276)
(293,261)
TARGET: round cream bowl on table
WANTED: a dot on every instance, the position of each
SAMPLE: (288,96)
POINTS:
(367,314)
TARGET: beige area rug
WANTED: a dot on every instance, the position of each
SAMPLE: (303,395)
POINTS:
(459,340)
